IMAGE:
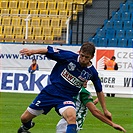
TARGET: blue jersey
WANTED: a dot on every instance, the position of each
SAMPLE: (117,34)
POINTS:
(67,75)
(67,78)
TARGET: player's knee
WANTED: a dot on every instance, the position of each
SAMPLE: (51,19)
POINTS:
(24,118)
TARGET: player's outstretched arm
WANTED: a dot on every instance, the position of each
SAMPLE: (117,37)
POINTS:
(98,114)
(29,52)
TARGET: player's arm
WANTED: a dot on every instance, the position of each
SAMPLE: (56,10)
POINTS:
(101,99)
(98,114)
(29,52)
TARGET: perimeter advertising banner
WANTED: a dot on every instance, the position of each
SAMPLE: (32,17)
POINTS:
(15,77)
(24,82)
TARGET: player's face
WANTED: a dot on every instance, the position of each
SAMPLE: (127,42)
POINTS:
(84,59)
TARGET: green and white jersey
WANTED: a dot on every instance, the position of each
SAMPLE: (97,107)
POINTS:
(81,100)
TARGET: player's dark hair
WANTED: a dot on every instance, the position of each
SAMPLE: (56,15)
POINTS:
(88,48)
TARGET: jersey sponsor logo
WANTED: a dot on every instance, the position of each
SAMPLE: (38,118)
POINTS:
(84,75)
(71,79)
(71,66)
(102,57)
(69,102)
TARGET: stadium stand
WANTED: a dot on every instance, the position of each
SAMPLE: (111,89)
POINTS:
(118,30)
(46,19)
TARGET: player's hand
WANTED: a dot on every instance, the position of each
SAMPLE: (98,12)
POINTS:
(25,51)
(118,127)
(108,115)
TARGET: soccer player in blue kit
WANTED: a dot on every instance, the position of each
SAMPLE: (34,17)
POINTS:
(67,78)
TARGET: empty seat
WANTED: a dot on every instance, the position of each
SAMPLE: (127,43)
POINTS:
(7,30)
(102,42)
(32,4)
(128,25)
(16,21)
(45,22)
(110,33)
(125,15)
(22,4)
(35,21)
(13,4)
(63,22)
(6,21)
(118,25)
(61,5)
(29,30)
(100,32)
(63,13)
(3,4)
(14,12)
(39,39)
(131,7)
(42,5)
(4,11)
(108,24)
(17,30)
(124,7)
(55,22)
(53,13)
(47,31)
(19,38)
(112,42)
(129,34)
(49,38)
(9,38)
(122,42)
(51,5)
(120,33)
(94,40)
(116,15)
(130,43)
(37,30)
(57,31)
(44,12)
(34,12)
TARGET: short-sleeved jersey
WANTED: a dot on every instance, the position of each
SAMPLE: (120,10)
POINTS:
(81,100)
(67,75)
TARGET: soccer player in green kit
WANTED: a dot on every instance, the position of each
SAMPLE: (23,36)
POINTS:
(83,102)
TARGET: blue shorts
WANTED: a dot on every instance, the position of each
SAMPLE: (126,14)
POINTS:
(50,97)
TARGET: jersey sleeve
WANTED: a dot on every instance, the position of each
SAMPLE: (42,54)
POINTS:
(96,81)
(85,96)
(60,55)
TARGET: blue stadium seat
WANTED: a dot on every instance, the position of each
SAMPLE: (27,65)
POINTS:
(116,15)
(103,42)
(108,24)
(126,16)
(130,43)
(131,7)
(110,33)
(128,25)
(118,24)
(132,16)
(120,33)
(122,42)
(112,42)
(94,40)
(129,34)
(124,7)
(100,32)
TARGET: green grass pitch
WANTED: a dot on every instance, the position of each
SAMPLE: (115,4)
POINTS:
(12,105)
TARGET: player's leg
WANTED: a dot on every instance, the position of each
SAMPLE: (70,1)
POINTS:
(70,115)
(26,119)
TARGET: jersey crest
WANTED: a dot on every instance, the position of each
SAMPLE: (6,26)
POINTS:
(71,66)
